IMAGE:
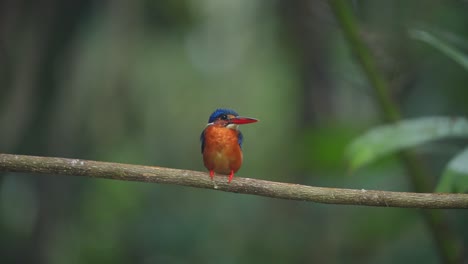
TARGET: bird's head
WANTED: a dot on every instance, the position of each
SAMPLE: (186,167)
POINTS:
(228,118)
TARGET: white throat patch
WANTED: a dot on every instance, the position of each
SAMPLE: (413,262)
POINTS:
(233,126)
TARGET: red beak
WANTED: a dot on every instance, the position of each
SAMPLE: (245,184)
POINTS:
(240,120)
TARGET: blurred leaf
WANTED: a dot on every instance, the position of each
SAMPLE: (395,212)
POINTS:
(387,139)
(455,176)
(445,48)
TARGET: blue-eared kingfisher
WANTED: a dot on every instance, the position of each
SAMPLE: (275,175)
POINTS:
(221,142)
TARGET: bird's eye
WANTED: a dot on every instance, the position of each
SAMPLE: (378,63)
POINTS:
(224,117)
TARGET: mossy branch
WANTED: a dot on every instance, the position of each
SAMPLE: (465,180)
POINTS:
(127,172)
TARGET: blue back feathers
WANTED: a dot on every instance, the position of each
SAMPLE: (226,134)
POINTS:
(217,113)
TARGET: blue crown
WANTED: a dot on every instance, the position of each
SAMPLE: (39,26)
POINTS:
(219,112)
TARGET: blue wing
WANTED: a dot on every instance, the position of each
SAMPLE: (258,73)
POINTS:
(202,140)
(240,139)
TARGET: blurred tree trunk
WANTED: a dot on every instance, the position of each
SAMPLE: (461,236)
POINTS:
(307,23)
(32,35)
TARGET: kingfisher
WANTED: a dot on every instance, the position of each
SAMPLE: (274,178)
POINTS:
(221,142)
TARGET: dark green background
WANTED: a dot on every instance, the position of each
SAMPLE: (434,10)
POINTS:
(135,81)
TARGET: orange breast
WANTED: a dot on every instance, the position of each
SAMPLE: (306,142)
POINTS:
(222,152)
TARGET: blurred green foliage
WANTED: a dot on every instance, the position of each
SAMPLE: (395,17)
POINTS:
(445,48)
(455,176)
(383,140)
(135,82)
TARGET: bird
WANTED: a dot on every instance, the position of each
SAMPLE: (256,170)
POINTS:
(221,142)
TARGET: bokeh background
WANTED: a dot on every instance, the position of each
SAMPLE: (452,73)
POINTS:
(135,81)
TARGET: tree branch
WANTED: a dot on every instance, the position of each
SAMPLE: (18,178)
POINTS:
(127,172)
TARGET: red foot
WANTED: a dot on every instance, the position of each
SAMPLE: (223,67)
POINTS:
(211,174)
(231,176)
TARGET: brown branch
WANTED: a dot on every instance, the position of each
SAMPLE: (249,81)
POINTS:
(127,172)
